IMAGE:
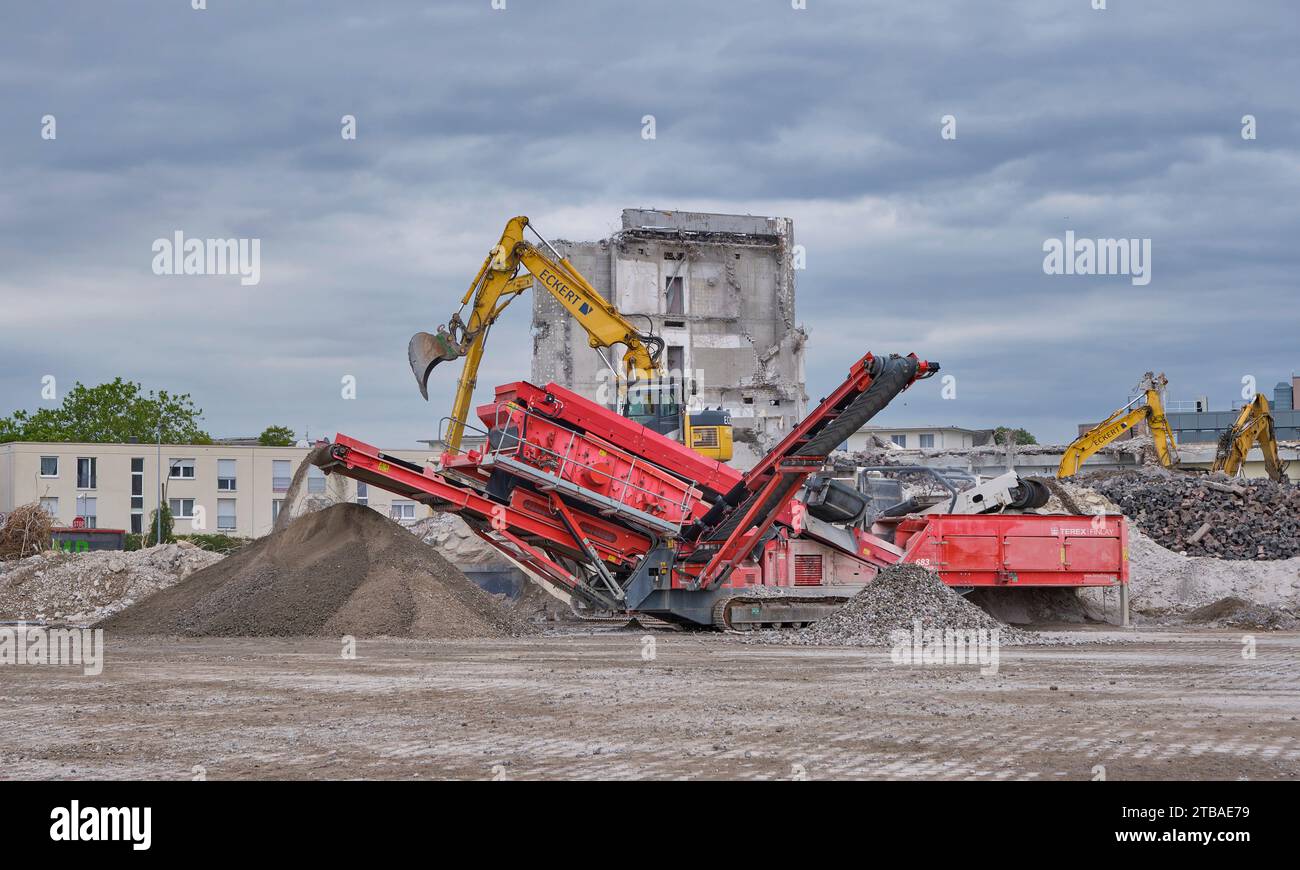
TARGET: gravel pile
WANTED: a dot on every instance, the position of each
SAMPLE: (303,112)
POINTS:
(81,588)
(1234,612)
(346,570)
(1208,515)
(897,597)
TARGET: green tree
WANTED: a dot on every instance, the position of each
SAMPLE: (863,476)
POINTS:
(276,436)
(168,526)
(112,412)
(1017,436)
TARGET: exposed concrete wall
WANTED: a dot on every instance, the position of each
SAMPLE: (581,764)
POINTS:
(719,289)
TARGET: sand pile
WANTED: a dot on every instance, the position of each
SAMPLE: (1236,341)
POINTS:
(1164,584)
(897,597)
(345,570)
(80,588)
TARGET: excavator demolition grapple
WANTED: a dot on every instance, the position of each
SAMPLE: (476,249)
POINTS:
(626,520)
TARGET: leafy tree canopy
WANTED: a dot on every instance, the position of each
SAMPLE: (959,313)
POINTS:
(1017,436)
(112,412)
(276,436)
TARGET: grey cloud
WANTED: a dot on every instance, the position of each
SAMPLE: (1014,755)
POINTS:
(225,123)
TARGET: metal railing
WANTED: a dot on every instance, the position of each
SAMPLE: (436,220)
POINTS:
(509,444)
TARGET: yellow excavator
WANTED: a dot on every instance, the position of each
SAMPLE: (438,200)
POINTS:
(1254,426)
(1148,407)
(644,393)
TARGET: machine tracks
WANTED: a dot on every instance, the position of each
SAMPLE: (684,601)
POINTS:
(743,612)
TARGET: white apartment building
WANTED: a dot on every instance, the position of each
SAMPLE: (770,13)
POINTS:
(233,489)
(916,437)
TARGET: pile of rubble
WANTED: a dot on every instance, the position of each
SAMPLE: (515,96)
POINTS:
(895,600)
(1234,612)
(1208,515)
(82,588)
(1169,586)
(345,570)
(1165,585)
(448,534)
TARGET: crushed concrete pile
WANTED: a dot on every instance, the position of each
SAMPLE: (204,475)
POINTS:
(345,570)
(81,588)
(897,597)
(1208,515)
(448,534)
(1164,585)
(1167,586)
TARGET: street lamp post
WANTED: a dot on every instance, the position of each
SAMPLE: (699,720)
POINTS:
(158,539)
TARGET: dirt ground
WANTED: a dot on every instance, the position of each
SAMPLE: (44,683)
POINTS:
(588,706)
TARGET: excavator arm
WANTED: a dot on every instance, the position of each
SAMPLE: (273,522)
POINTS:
(496,285)
(1254,426)
(1152,411)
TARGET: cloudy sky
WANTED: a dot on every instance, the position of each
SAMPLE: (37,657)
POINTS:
(225,123)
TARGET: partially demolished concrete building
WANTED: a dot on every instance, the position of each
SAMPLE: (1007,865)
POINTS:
(719,289)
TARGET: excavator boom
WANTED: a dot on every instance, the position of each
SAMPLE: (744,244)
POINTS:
(1254,426)
(1151,411)
(495,286)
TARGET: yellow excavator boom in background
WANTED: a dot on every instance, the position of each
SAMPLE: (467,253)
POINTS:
(1254,426)
(1148,407)
(497,284)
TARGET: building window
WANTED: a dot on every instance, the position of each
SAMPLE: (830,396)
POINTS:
(137,494)
(49,466)
(275,507)
(363,493)
(89,511)
(927,440)
(226,475)
(315,481)
(182,508)
(85,472)
(900,440)
(673,295)
(182,469)
(402,510)
(51,507)
(280,475)
(225,514)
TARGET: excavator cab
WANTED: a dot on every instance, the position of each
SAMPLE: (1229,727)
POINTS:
(658,405)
